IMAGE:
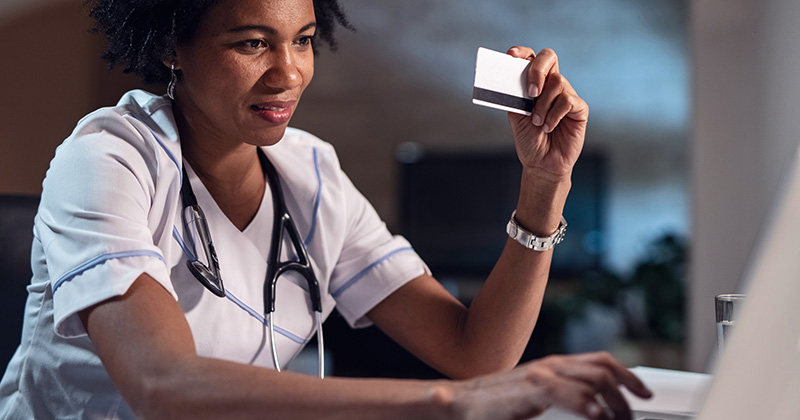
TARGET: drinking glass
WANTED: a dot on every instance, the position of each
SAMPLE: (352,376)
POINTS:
(727,308)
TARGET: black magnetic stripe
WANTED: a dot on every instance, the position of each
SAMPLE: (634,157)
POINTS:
(502,99)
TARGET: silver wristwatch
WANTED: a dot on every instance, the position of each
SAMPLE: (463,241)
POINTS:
(531,241)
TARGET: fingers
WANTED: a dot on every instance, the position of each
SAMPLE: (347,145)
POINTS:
(555,97)
(614,403)
(594,380)
(545,113)
(586,384)
(571,395)
(557,101)
(604,385)
(543,65)
(621,374)
(521,52)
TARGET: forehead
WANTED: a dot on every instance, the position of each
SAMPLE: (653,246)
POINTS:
(278,14)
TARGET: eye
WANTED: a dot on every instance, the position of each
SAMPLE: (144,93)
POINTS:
(305,41)
(252,44)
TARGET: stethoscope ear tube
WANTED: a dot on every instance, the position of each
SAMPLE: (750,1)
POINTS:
(275,268)
(283,222)
(197,229)
(304,269)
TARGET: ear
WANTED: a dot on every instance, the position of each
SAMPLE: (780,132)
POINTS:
(171,60)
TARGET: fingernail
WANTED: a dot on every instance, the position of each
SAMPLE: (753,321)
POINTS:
(513,50)
(537,120)
(546,128)
(593,410)
(533,91)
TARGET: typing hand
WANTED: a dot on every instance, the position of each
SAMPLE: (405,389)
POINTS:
(585,384)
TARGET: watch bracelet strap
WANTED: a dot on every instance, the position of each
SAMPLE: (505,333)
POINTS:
(531,241)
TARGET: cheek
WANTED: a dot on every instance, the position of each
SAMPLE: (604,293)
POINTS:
(236,75)
(307,71)
(221,75)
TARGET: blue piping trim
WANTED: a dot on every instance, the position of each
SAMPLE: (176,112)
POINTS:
(363,272)
(186,251)
(101,259)
(316,201)
(164,146)
(261,319)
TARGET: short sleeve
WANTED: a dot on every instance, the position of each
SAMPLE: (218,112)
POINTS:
(93,219)
(373,262)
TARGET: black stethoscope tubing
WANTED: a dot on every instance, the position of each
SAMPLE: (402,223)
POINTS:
(209,275)
(283,221)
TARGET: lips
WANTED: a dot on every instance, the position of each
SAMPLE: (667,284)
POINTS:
(276,112)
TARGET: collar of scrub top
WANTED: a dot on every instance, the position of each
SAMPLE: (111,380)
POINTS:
(209,274)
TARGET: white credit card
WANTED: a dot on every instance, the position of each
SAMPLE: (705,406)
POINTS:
(501,81)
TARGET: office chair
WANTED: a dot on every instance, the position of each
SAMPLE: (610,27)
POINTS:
(16,236)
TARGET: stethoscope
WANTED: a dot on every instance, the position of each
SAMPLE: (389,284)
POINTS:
(209,276)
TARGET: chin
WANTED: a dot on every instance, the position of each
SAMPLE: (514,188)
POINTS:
(268,137)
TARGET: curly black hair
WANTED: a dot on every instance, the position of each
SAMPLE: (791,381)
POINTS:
(140,34)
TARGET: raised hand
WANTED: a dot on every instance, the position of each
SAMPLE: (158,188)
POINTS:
(551,139)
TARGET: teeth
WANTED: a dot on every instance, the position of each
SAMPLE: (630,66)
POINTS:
(269,108)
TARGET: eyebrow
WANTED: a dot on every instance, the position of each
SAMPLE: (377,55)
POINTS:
(268,29)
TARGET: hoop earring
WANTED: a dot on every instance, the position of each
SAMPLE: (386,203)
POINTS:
(173,79)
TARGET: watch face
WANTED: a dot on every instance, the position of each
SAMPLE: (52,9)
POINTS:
(511,229)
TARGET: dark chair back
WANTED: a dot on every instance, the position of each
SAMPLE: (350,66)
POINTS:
(16,236)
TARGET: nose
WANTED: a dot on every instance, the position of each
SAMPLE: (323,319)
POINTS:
(283,70)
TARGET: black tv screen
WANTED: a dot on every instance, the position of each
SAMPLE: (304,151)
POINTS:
(454,208)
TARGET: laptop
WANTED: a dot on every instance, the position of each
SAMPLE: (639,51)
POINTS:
(758,375)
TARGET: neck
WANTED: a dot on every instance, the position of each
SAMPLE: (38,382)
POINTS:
(229,169)
(212,156)
(224,168)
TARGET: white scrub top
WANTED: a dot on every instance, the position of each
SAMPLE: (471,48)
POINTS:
(111,210)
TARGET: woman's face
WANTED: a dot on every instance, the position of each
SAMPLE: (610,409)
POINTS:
(244,71)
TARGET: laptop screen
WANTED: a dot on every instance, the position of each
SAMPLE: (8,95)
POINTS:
(758,376)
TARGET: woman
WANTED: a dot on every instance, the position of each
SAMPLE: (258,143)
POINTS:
(117,324)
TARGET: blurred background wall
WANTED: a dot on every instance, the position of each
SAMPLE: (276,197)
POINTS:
(52,77)
(406,75)
(746,128)
(404,79)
